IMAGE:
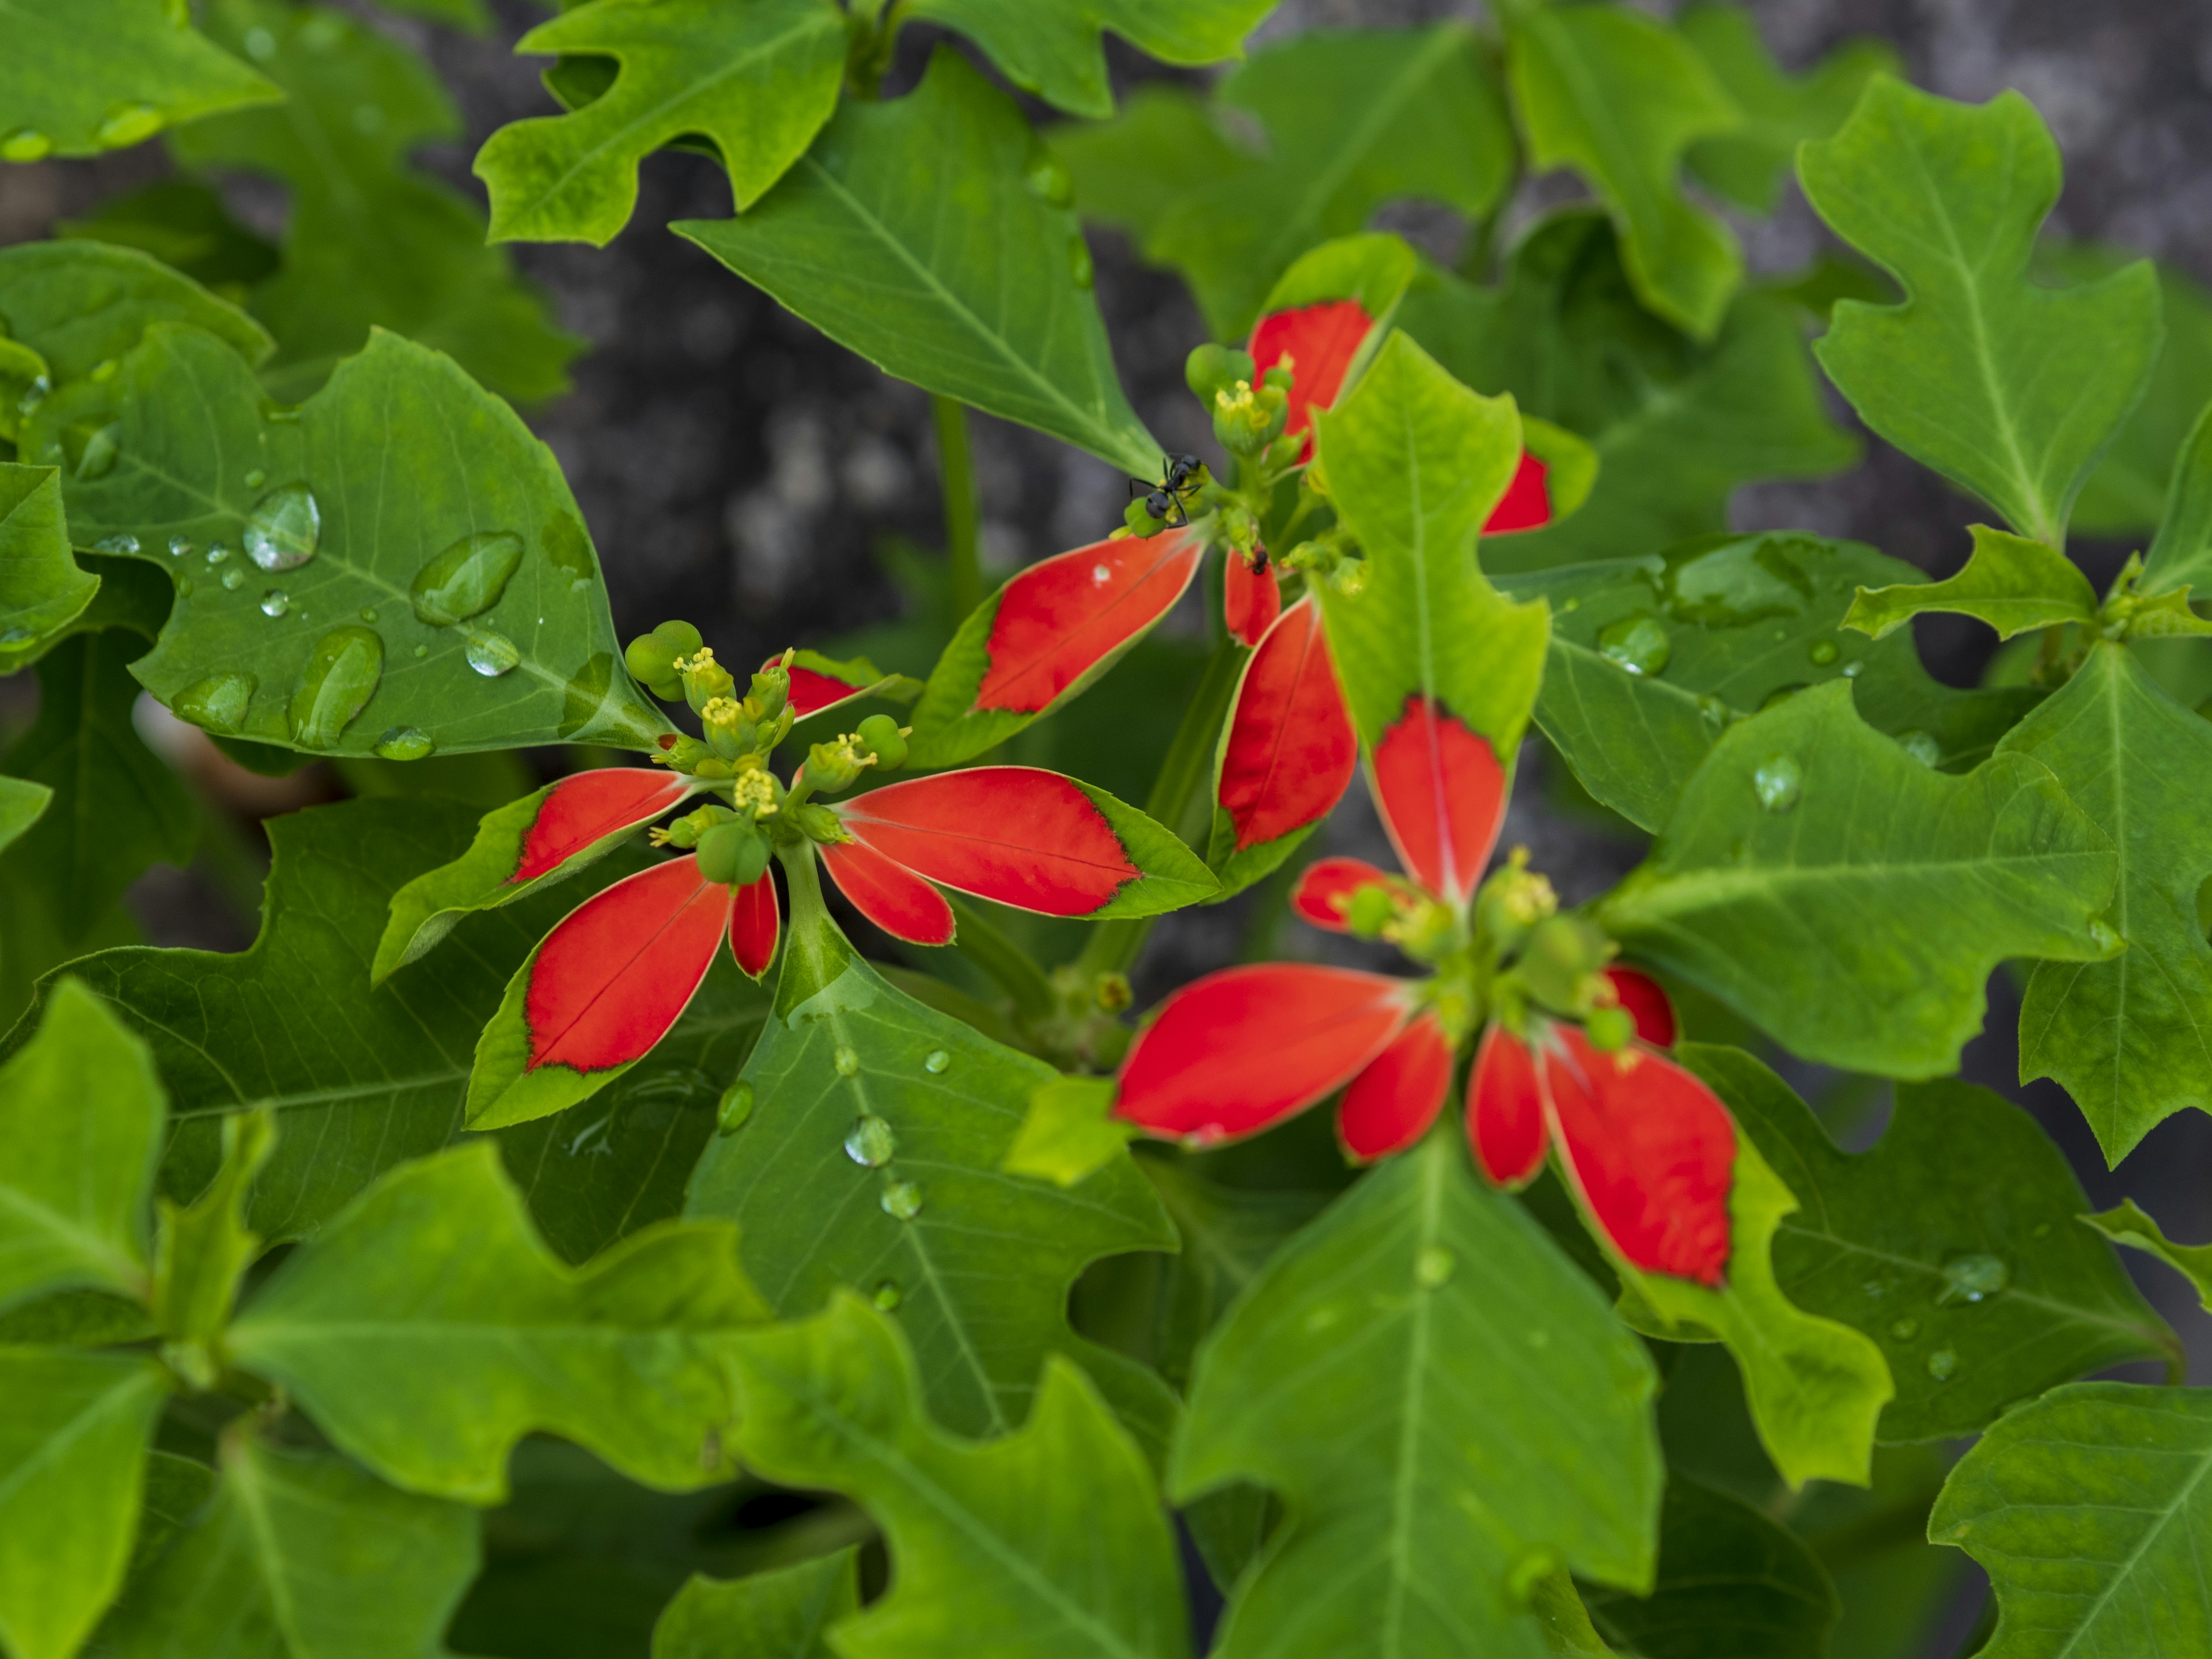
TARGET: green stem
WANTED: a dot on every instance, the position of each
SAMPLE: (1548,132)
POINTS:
(815,952)
(956,467)
(1009,967)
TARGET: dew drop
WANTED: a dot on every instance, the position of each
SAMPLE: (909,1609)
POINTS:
(284,528)
(121,544)
(101,450)
(125,124)
(1638,643)
(184,587)
(14,635)
(422,651)
(887,1294)
(179,546)
(1433,1267)
(846,1062)
(368,613)
(1852,671)
(233,580)
(870,1142)
(255,477)
(1049,179)
(260,45)
(490,652)
(1904,1329)
(339,679)
(1824,652)
(1942,1363)
(1078,260)
(1974,1277)
(935,1062)
(1922,746)
(405,743)
(467,579)
(218,553)
(736,1106)
(216,703)
(901,1200)
(34,395)
(1778,783)
(26,144)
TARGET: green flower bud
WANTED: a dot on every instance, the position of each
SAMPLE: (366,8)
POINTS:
(1371,910)
(1205,371)
(834,766)
(770,690)
(1277,379)
(728,848)
(822,824)
(879,735)
(1111,991)
(648,664)
(757,793)
(704,679)
(1608,1029)
(1561,962)
(728,732)
(1514,900)
(1139,518)
(680,637)
(687,830)
(685,754)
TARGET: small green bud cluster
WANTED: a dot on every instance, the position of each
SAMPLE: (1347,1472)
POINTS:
(1211,369)
(1248,418)
(1513,901)
(733,846)
(837,764)
(1400,914)
(1329,557)
(738,733)
(652,658)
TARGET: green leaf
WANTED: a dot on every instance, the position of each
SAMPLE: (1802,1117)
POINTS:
(1410,1375)
(118,808)
(42,591)
(1676,425)
(1827,886)
(1952,1236)
(2010,582)
(1416,462)
(2181,555)
(203,1250)
(1069,1133)
(1049,1540)
(81,78)
(184,225)
(1781,110)
(403,457)
(2126,494)
(1619,97)
(72,1455)
(782,1613)
(301,1556)
(1674,647)
(1815,1386)
(81,1112)
(22,802)
(917,1212)
(2128,1225)
(756,81)
(427,1328)
(1352,119)
(2089,1508)
(1056,52)
(2129,1038)
(852,240)
(2010,390)
(372,241)
(79,304)
(1732,1584)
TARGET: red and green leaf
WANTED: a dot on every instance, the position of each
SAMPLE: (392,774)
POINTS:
(1505,1111)
(1237,1051)
(819,683)
(524,846)
(754,922)
(1251,598)
(1032,839)
(1287,752)
(1324,889)
(888,894)
(1391,1104)
(1327,313)
(1044,636)
(598,992)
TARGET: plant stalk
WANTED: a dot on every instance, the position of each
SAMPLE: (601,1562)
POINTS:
(956,467)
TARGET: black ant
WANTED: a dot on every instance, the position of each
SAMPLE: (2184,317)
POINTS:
(1167,499)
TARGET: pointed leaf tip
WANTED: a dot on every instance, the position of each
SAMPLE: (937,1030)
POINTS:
(755,922)
(1442,792)
(1390,1105)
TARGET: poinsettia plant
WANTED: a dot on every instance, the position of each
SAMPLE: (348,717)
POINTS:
(573,1225)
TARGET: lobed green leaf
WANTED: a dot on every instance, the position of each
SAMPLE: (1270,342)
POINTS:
(2012,583)
(42,590)
(783,1612)
(81,78)
(1057,52)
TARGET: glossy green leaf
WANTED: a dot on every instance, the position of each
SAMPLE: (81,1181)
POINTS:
(301,1556)
(22,802)
(2090,1508)
(42,590)
(78,304)
(1352,119)
(2010,582)
(186,226)
(1781,110)
(1069,1133)
(1416,462)
(1732,1584)
(204,1249)
(756,81)
(1674,647)
(1411,1375)
(1676,426)
(401,457)
(1056,52)
(1825,884)
(2130,1038)
(72,1455)
(1815,1386)
(1952,1242)
(1618,97)
(80,1115)
(2010,389)
(998,315)
(2180,557)
(782,1613)
(372,241)
(427,1328)
(2130,1225)
(873,1158)
(1049,1540)
(2126,494)
(81,78)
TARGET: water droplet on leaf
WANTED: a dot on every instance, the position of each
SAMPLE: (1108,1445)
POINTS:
(255,477)
(1047,177)
(216,703)
(467,579)
(179,546)
(1852,671)
(736,1106)
(1078,260)
(284,528)
(901,1200)
(1942,1363)
(233,580)
(125,124)
(368,613)
(26,144)
(490,652)
(870,1142)
(184,587)
(846,1062)
(422,651)
(1904,1329)
(1638,643)
(101,450)
(121,544)
(405,743)
(1974,1277)
(1824,652)
(339,678)
(1921,746)
(887,1294)
(14,635)
(1778,783)
(260,45)
(1433,1267)
(935,1062)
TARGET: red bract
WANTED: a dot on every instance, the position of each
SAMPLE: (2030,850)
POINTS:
(754,922)
(1251,598)
(1647,1004)
(580,811)
(888,894)
(1527,502)
(1320,341)
(1442,792)
(1390,1105)
(1505,1110)
(1025,837)
(1325,886)
(1062,617)
(1290,750)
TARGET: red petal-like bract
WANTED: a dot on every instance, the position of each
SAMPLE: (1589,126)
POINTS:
(613,976)
(1390,1105)
(1505,1110)
(754,922)
(1250,599)
(1527,504)
(1651,1149)
(1325,886)
(888,894)
(588,808)
(812,689)
(1291,751)
(1238,1050)
(1320,341)
(1015,834)
(1442,795)
(1647,1005)
(1060,617)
